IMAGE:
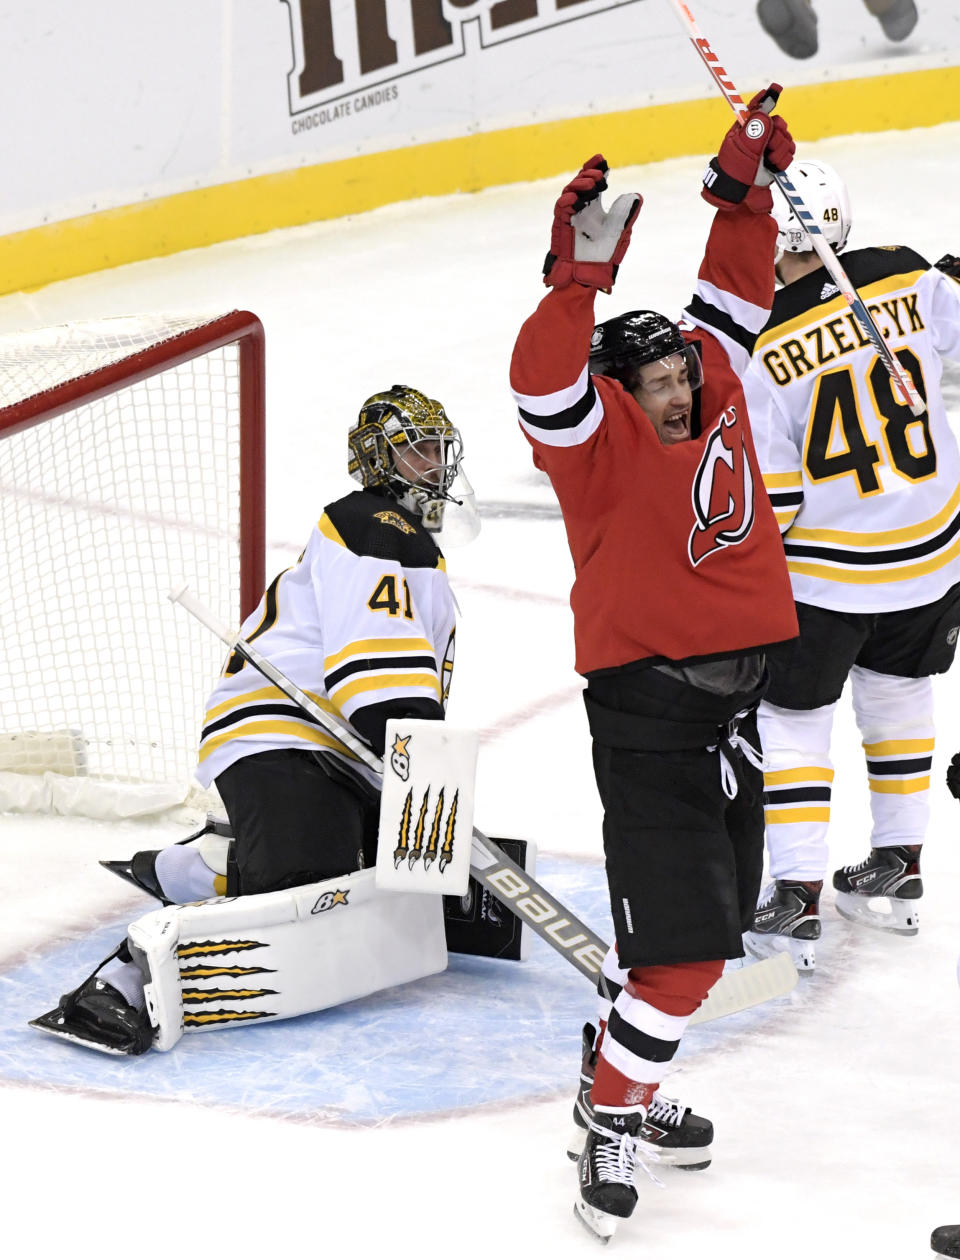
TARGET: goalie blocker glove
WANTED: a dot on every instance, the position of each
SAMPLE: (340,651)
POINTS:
(587,243)
(751,154)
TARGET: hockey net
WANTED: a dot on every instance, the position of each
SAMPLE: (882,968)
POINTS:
(131,461)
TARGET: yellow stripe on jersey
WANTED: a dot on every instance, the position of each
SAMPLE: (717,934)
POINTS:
(874,576)
(785,516)
(277,726)
(900,787)
(364,647)
(384,682)
(897,747)
(329,530)
(799,774)
(264,693)
(782,481)
(908,534)
(819,813)
(879,288)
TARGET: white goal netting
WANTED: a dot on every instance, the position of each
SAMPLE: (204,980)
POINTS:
(120,477)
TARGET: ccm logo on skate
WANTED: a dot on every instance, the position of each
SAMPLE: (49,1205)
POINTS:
(722,492)
(538,909)
(327,900)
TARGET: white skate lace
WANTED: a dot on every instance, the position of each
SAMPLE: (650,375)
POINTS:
(667,1111)
(618,1158)
(860,866)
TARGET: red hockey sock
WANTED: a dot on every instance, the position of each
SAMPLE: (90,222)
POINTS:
(677,989)
(612,1089)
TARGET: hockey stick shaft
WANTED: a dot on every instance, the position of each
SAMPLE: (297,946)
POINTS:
(861,313)
(490,866)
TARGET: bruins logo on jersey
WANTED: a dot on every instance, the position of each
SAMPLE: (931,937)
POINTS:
(722,492)
(397,521)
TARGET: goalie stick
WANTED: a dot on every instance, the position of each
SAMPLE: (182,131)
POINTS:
(861,313)
(503,877)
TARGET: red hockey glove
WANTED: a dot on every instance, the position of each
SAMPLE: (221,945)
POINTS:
(587,243)
(949,264)
(751,152)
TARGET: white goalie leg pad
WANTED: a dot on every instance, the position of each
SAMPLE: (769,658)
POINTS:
(426,809)
(222,963)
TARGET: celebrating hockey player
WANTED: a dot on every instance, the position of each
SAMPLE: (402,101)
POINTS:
(868,498)
(680,586)
(364,623)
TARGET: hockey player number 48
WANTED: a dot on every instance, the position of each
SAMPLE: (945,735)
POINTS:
(906,438)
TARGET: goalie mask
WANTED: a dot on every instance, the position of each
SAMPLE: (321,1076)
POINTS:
(825,195)
(403,445)
(619,347)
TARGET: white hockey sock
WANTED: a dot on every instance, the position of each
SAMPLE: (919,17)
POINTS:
(126,978)
(895,717)
(797,780)
(184,875)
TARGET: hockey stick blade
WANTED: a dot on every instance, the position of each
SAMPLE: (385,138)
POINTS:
(903,383)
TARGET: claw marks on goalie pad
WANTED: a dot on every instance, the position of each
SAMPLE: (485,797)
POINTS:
(413,853)
(426,809)
(723,492)
(199,956)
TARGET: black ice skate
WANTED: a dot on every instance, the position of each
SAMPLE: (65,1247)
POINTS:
(98,1016)
(945,1240)
(882,890)
(607,1169)
(140,870)
(787,919)
(671,1131)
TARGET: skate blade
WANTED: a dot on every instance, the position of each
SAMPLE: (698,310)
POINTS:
(47,1024)
(599,1225)
(885,914)
(767,945)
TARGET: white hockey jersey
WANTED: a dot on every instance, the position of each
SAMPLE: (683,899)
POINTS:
(867,495)
(364,623)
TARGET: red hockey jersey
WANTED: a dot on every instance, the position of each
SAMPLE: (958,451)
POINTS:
(676,548)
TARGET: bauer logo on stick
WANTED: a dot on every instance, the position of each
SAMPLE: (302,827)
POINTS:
(426,809)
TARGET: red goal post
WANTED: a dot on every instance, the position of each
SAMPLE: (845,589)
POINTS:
(131,460)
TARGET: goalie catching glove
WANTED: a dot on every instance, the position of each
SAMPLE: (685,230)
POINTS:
(587,243)
(751,154)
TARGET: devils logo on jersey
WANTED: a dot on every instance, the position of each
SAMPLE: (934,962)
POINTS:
(722,491)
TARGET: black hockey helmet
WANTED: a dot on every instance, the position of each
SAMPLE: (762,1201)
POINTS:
(391,421)
(619,346)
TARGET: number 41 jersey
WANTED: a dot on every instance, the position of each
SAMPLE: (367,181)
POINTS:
(867,495)
(363,623)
